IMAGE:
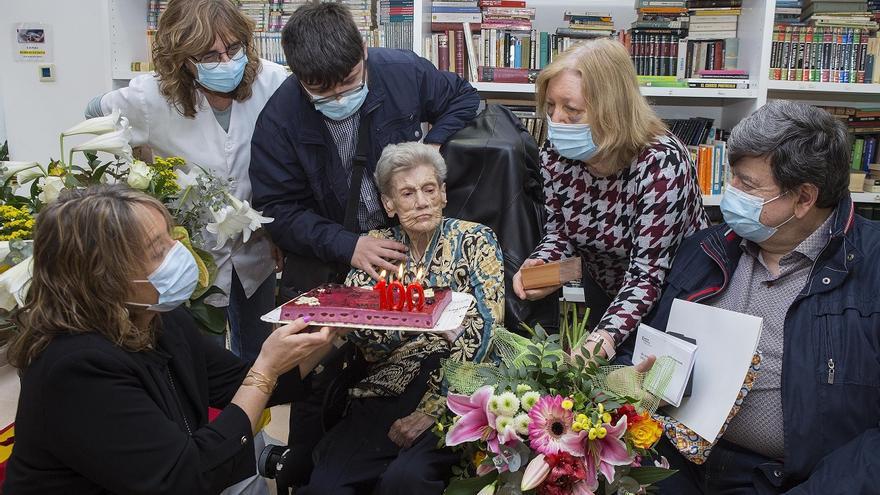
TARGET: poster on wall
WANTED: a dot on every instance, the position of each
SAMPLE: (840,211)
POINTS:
(32,42)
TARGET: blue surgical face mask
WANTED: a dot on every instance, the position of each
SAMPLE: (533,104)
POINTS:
(573,141)
(174,280)
(345,106)
(223,78)
(742,212)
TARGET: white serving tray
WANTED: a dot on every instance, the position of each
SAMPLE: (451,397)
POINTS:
(450,320)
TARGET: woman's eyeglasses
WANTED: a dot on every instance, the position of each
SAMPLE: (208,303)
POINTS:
(212,59)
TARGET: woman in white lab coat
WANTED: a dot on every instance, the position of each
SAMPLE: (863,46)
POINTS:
(202,104)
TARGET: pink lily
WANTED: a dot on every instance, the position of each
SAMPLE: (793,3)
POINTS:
(475,421)
(603,454)
(535,474)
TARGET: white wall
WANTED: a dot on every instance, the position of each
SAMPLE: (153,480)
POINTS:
(36,112)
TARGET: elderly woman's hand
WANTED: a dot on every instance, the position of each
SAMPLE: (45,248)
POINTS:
(290,345)
(531,294)
(406,430)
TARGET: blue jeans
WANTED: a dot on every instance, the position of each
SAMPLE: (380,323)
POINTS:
(729,470)
(247,331)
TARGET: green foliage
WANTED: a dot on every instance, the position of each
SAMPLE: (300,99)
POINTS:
(4,152)
(210,318)
(470,486)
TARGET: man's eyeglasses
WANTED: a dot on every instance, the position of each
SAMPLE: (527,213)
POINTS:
(317,100)
(212,59)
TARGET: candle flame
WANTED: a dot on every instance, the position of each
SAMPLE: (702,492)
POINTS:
(382,275)
(400,272)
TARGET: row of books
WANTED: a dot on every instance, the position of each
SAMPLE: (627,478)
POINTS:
(838,13)
(870,212)
(268,46)
(270,16)
(823,54)
(713,167)
(788,12)
(536,126)
(669,55)
(864,152)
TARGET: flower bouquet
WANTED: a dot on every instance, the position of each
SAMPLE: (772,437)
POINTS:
(205,212)
(541,421)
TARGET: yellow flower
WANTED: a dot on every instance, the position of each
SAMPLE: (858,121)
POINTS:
(567,404)
(645,432)
(479,457)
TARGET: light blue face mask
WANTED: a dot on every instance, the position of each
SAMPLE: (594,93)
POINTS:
(742,212)
(223,78)
(573,141)
(345,106)
(174,280)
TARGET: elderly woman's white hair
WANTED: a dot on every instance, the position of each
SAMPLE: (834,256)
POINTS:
(399,157)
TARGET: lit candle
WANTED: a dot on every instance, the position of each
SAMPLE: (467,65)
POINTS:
(380,288)
(396,288)
(415,288)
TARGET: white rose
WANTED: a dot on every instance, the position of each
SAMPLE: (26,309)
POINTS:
(51,187)
(139,175)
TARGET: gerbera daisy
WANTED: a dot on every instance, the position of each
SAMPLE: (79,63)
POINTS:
(550,428)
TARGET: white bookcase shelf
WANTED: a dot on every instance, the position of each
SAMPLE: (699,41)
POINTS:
(858,197)
(651,91)
(823,87)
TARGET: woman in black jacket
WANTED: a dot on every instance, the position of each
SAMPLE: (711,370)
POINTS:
(116,381)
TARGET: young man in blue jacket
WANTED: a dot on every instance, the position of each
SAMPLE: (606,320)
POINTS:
(301,171)
(791,251)
(306,136)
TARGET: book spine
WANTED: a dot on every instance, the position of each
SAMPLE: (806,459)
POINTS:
(443,52)
(786,53)
(825,68)
(774,54)
(863,57)
(808,54)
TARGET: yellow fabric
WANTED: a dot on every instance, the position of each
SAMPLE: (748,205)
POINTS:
(6,451)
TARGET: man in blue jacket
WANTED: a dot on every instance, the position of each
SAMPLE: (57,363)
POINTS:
(791,251)
(302,155)
(306,136)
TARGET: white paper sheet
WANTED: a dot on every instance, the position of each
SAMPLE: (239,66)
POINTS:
(726,342)
(681,354)
(449,321)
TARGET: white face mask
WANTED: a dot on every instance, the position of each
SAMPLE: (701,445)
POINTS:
(174,280)
(742,213)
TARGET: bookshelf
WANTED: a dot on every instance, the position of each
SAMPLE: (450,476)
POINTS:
(726,106)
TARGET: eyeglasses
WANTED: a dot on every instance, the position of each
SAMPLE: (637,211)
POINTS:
(317,100)
(212,59)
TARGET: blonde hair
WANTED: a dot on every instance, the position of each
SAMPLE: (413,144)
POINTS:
(88,246)
(622,121)
(187,29)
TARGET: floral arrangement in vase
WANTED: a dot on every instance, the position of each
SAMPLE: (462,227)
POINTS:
(200,204)
(545,422)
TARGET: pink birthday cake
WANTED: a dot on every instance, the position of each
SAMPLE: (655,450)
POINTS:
(359,305)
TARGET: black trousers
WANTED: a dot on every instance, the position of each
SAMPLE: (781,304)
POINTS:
(729,470)
(356,457)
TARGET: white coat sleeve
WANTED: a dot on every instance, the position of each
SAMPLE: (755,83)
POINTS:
(133,103)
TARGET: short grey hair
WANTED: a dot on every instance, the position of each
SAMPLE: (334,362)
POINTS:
(399,157)
(805,145)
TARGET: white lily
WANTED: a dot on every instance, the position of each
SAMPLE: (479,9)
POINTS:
(51,186)
(97,125)
(14,284)
(139,175)
(187,179)
(23,171)
(234,219)
(115,143)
